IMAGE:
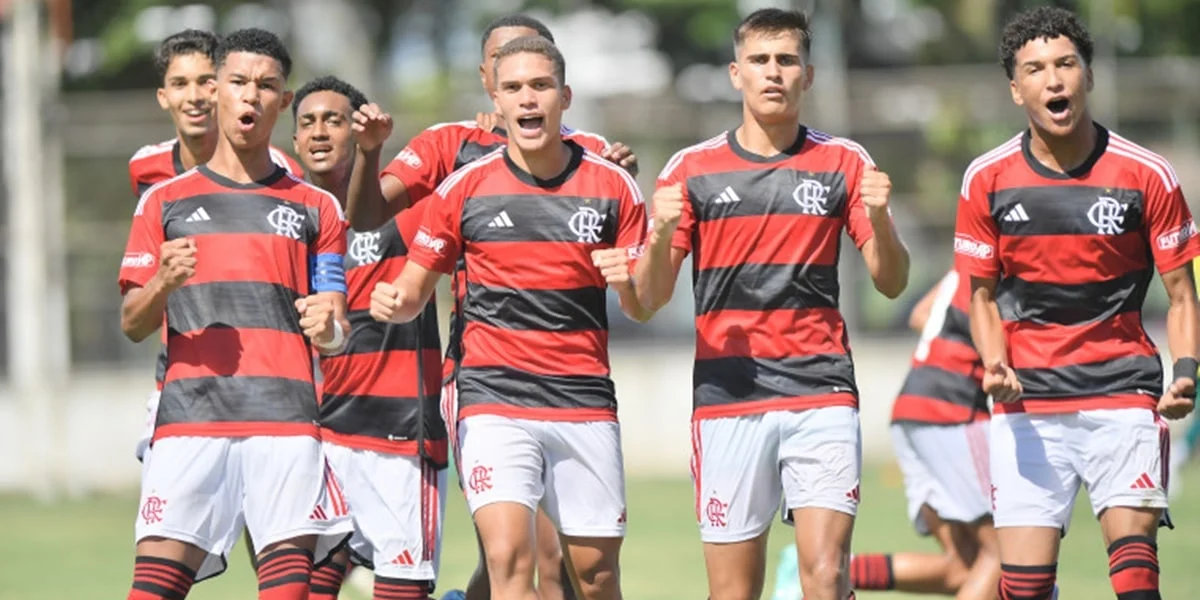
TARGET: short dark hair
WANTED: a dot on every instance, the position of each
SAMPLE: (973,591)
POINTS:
(1043,22)
(774,21)
(534,45)
(524,21)
(328,83)
(188,41)
(255,41)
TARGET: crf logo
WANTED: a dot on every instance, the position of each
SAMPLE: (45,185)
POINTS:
(286,221)
(364,248)
(480,479)
(715,512)
(152,510)
(812,196)
(1108,216)
(586,224)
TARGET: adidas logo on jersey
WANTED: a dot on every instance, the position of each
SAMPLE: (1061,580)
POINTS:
(198,215)
(1017,214)
(501,220)
(727,197)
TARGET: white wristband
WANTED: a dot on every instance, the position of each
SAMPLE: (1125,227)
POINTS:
(339,337)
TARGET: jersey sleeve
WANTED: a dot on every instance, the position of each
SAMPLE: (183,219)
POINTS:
(858,224)
(438,241)
(1169,224)
(631,218)
(676,173)
(142,250)
(975,234)
(133,182)
(594,142)
(422,164)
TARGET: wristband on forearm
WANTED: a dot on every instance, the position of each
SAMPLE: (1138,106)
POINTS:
(1185,368)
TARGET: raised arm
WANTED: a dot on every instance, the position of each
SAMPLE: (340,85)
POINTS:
(886,257)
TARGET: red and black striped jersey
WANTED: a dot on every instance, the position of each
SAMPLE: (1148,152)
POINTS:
(766,234)
(156,163)
(1074,254)
(431,156)
(370,397)
(535,333)
(238,362)
(945,385)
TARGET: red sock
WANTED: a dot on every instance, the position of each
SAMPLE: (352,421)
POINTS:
(1027,583)
(326,581)
(160,579)
(284,574)
(871,572)
(1133,568)
(400,589)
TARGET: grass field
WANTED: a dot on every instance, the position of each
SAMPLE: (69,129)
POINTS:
(82,549)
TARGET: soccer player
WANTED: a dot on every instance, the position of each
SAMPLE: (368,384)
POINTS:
(775,401)
(543,225)
(1060,229)
(382,432)
(187,77)
(225,251)
(427,160)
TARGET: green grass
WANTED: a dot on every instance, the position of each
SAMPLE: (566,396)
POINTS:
(82,549)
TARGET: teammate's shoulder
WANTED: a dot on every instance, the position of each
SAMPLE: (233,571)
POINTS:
(150,150)
(991,162)
(619,176)
(452,128)
(1142,160)
(841,145)
(313,195)
(695,152)
(167,188)
(285,160)
(571,132)
(472,171)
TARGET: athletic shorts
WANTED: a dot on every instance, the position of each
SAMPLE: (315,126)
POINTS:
(398,506)
(946,468)
(574,470)
(1038,462)
(205,490)
(743,466)
(143,445)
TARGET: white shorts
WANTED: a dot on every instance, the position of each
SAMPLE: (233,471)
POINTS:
(143,445)
(945,467)
(1039,460)
(574,470)
(742,466)
(205,490)
(398,506)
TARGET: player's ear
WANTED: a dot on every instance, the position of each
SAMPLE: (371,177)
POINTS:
(162,99)
(809,72)
(1090,81)
(296,144)
(734,79)
(1016,92)
(566,97)
(287,98)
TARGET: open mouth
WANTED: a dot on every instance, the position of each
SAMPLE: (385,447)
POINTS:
(530,123)
(321,152)
(246,120)
(1058,107)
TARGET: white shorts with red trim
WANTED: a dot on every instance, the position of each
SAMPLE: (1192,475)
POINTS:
(1039,460)
(743,466)
(205,490)
(945,467)
(398,505)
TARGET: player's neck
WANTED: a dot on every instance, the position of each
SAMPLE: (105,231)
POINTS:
(196,150)
(243,166)
(336,182)
(547,163)
(1066,152)
(767,139)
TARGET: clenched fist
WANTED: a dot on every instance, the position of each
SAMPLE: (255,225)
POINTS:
(875,190)
(371,127)
(1000,381)
(316,319)
(177,262)
(668,209)
(1179,399)
(385,302)
(613,264)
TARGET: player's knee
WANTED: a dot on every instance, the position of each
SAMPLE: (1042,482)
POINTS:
(824,573)
(549,559)
(506,558)
(597,576)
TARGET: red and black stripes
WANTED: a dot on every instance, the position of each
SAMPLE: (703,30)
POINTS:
(284,574)
(1133,568)
(160,579)
(1027,582)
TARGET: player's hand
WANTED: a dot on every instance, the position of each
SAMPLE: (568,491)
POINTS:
(316,319)
(371,127)
(177,262)
(1000,381)
(1179,400)
(488,121)
(668,209)
(386,300)
(622,156)
(875,189)
(613,264)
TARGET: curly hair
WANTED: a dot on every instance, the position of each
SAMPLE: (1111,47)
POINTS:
(329,83)
(255,41)
(1043,22)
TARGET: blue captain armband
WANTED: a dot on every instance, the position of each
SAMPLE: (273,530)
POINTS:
(328,273)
